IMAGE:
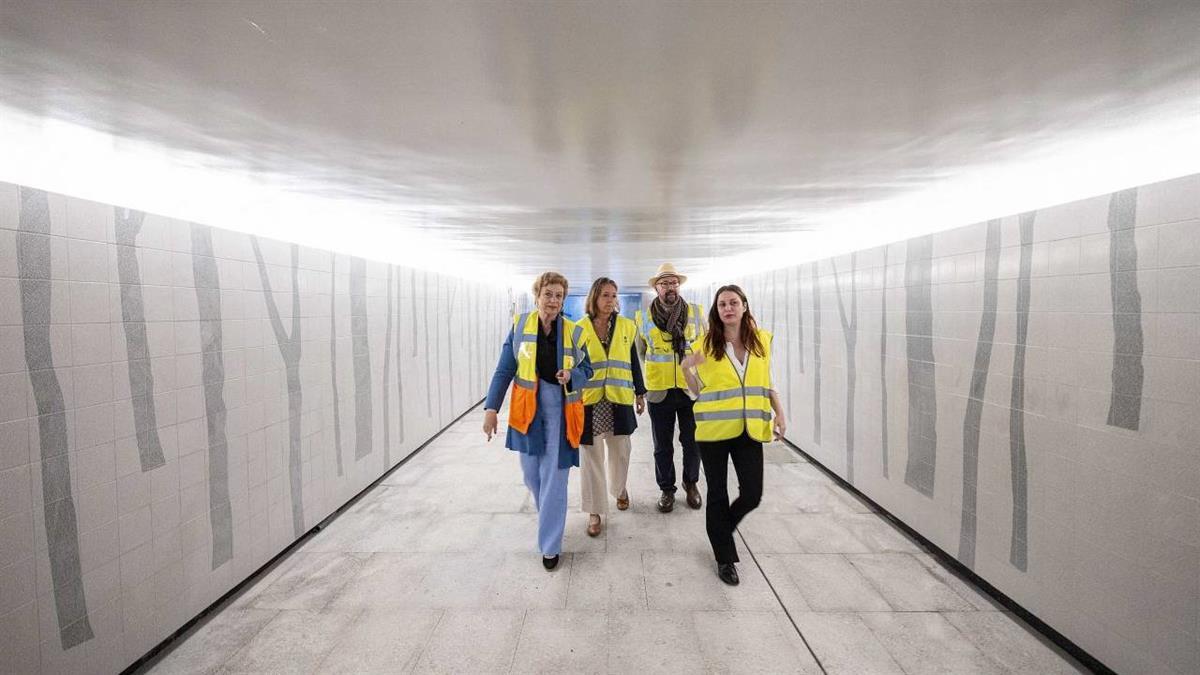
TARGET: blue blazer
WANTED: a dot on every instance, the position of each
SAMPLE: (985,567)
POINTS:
(534,442)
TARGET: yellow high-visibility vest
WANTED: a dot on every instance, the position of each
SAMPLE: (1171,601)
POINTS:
(523,405)
(662,365)
(727,404)
(612,373)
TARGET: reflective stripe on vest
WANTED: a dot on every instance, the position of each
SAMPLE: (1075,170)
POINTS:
(662,366)
(727,405)
(612,374)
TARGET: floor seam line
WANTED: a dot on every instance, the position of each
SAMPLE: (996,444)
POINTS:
(778,599)
(512,662)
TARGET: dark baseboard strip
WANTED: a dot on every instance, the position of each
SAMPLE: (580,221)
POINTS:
(161,647)
(1061,641)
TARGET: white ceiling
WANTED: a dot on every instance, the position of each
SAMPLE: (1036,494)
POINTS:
(599,137)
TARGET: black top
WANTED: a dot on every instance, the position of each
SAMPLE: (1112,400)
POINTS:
(547,352)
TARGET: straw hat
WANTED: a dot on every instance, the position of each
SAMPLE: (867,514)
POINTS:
(667,270)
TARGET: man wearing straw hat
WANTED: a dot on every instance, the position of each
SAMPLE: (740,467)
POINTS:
(666,331)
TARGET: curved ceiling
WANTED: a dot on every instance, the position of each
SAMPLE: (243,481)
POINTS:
(597,137)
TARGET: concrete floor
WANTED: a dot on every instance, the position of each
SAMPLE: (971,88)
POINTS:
(435,570)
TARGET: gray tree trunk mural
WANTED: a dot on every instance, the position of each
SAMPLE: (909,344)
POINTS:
(787,320)
(1016,420)
(921,467)
(399,361)
(62,527)
(361,352)
(883,388)
(850,333)
(451,375)
(472,338)
(816,293)
(208,302)
(387,364)
(799,319)
(974,414)
(412,287)
(137,347)
(437,354)
(289,349)
(428,377)
(337,403)
(1125,403)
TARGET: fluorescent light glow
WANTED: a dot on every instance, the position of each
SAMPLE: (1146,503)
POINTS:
(78,161)
(1070,170)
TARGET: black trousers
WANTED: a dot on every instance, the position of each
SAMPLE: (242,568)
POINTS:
(721,517)
(662,423)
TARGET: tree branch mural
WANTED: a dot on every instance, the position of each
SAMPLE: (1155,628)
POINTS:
(208,302)
(337,403)
(1125,403)
(883,388)
(921,467)
(1016,420)
(62,528)
(450,333)
(137,348)
(399,362)
(816,293)
(428,378)
(850,333)
(387,364)
(974,414)
(361,352)
(289,349)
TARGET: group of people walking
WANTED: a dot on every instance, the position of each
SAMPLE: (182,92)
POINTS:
(578,386)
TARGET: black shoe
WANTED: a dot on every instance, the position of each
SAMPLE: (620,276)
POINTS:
(550,563)
(693,495)
(728,573)
(666,502)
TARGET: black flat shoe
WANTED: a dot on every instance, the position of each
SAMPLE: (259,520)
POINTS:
(728,573)
(552,562)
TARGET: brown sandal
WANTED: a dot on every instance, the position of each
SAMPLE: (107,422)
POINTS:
(594,526)
(623,501)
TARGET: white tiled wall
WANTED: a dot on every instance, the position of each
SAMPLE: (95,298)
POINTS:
(144,537)
(1113,514)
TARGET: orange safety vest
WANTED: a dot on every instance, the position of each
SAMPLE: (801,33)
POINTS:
(523,405)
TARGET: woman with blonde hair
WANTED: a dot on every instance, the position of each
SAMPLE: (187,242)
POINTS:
(544,360)
(608,402)
(729,372)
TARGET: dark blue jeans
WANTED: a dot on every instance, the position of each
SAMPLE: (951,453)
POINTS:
(662,420)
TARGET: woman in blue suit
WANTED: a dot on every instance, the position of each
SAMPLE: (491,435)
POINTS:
(546,363)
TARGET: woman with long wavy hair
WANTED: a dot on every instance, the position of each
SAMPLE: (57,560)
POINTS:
(737,410)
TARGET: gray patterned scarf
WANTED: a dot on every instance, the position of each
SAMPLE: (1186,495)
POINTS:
(671,319)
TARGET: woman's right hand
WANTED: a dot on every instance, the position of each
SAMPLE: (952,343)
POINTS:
(694,359)
(489,423)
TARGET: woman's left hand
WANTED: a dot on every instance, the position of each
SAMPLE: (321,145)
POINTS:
(780,427)
(563,376)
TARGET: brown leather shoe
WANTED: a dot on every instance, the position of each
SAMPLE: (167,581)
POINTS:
(693,495)
(666,502)
(594,525)
(623,501)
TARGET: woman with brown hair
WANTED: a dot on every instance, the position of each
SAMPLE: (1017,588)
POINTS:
(608,402)
(729,372)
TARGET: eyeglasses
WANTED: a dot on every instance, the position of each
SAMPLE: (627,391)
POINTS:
(668,284)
